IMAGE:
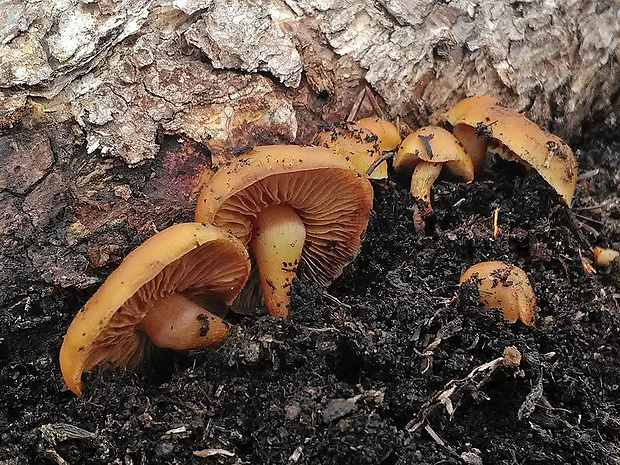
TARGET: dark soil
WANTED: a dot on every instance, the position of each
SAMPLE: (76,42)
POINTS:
(390,333)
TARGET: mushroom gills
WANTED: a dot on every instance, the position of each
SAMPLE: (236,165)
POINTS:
(475,146)
(177,322)
(277,244)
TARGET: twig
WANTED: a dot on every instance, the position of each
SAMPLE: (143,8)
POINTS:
(335,300)
(529,404)
(356,106)
(374,104)
(212,452)
(495,221)
(319,330)
(378,161)
(477,377)
(587,218)
(598,206)
(588,228)
(434,435)
(576,226)
(588,174)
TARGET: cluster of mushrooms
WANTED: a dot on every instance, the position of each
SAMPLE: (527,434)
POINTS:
(279,212)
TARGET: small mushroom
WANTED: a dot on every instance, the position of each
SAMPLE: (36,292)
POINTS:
(475,144)
(505,286)
(156,294)
(386,132)
(513,136)
(604,256)
(291,205)
(359,145)
(425,153)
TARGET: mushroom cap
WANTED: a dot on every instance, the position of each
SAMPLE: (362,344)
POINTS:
(332,200)
(503,285)
(533,146)
(190,258)
(387,133)
(445,148)
(356,144)
(604,256)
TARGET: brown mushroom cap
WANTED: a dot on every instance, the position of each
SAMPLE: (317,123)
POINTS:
(356,144)
(445,148)
(183,263)
(509,131)
(331,199)
(505,286)
(426,152)
(604,256)
(386,132)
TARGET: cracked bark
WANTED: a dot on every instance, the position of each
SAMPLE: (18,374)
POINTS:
(110,110)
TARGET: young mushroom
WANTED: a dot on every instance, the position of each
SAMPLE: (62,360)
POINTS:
(513,136)
(604,256)
(425,153)
(475,144)
(505,286)
(361,143)
(157,293)
(290,205)
(386,132)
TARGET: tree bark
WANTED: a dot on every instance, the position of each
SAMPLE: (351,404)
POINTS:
(110,110)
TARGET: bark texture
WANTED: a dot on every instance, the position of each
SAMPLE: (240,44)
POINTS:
(109,110)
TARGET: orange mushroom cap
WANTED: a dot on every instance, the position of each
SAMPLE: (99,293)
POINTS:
(168,275)
(604,256)
(513,135)
(310,194)
(386,132)
(356,144)
(444,148)
(505,286)
(426,152)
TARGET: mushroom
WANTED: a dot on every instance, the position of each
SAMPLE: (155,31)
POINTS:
(291,205)
(475,144)
(156,294)
(387,134)
(515,137)
(604,256)
(425,152)
(505,286)
(360,146)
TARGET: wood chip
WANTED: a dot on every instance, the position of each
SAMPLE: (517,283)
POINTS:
(212,452)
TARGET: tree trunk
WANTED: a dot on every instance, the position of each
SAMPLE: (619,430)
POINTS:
(110,110)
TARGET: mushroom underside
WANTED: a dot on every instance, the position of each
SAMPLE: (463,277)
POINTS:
(329,201)
(201,272)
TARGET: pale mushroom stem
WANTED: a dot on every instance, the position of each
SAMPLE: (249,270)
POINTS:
(422,180)
(277,243)
(177,322)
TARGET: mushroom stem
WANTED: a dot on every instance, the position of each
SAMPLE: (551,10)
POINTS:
(422,179)
(277,243)
(176,322)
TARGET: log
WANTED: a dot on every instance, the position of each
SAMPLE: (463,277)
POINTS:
(110,110)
